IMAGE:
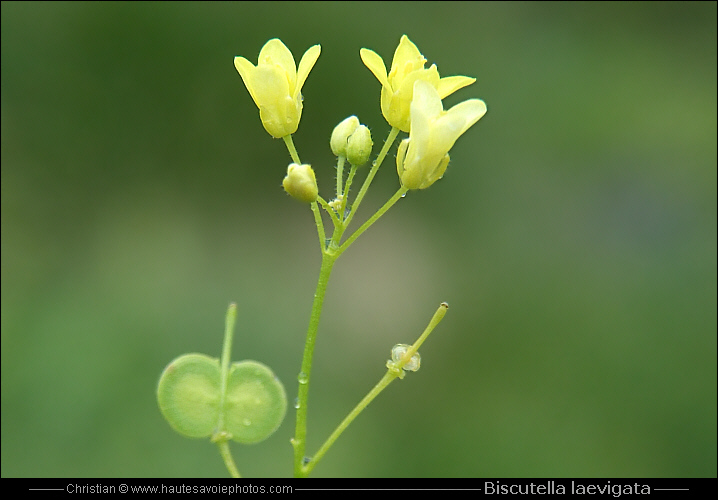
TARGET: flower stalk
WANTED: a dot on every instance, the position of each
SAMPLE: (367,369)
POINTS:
(394,370)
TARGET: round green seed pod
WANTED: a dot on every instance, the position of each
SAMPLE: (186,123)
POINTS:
(189,398)
(255,403)
(188,394)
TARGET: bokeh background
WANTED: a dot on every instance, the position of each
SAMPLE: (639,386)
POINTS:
(574,236)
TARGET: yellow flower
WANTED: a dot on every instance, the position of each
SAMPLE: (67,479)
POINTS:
(422,158)
(275,85)
(398,86)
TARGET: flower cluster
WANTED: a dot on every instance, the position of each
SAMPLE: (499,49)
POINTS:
(410,100)
(411,97)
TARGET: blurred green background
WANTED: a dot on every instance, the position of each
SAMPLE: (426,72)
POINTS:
(574,237)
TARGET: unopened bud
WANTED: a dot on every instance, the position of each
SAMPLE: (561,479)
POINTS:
(341,134)
(300,183)
(359,146)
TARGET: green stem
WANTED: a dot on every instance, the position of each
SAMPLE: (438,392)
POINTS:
(292,150)
(299,441)
(221,437)
(226,355)
(397,196)
(348,186)
(228,460)
(375,167)
(383,383)
(320,226)
(395,369)
(340,228)
(330,211)
(340,172)
(435,320)
(329,257)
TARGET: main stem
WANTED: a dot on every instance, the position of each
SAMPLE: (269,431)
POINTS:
(300,434)
(330,253)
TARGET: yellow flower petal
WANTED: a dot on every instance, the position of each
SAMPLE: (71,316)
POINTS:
(395,105)
(279,112)
(469,112)
(450,84)
(276,53)
(375,63)
(245,69)
(269,84)
(305,66)
(407,58)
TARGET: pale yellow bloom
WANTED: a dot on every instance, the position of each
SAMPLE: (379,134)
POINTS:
(397,87)
(275,85)
(422,158)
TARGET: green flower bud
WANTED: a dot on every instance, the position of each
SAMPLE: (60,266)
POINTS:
(341,134)
(359,146)
(300,183)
